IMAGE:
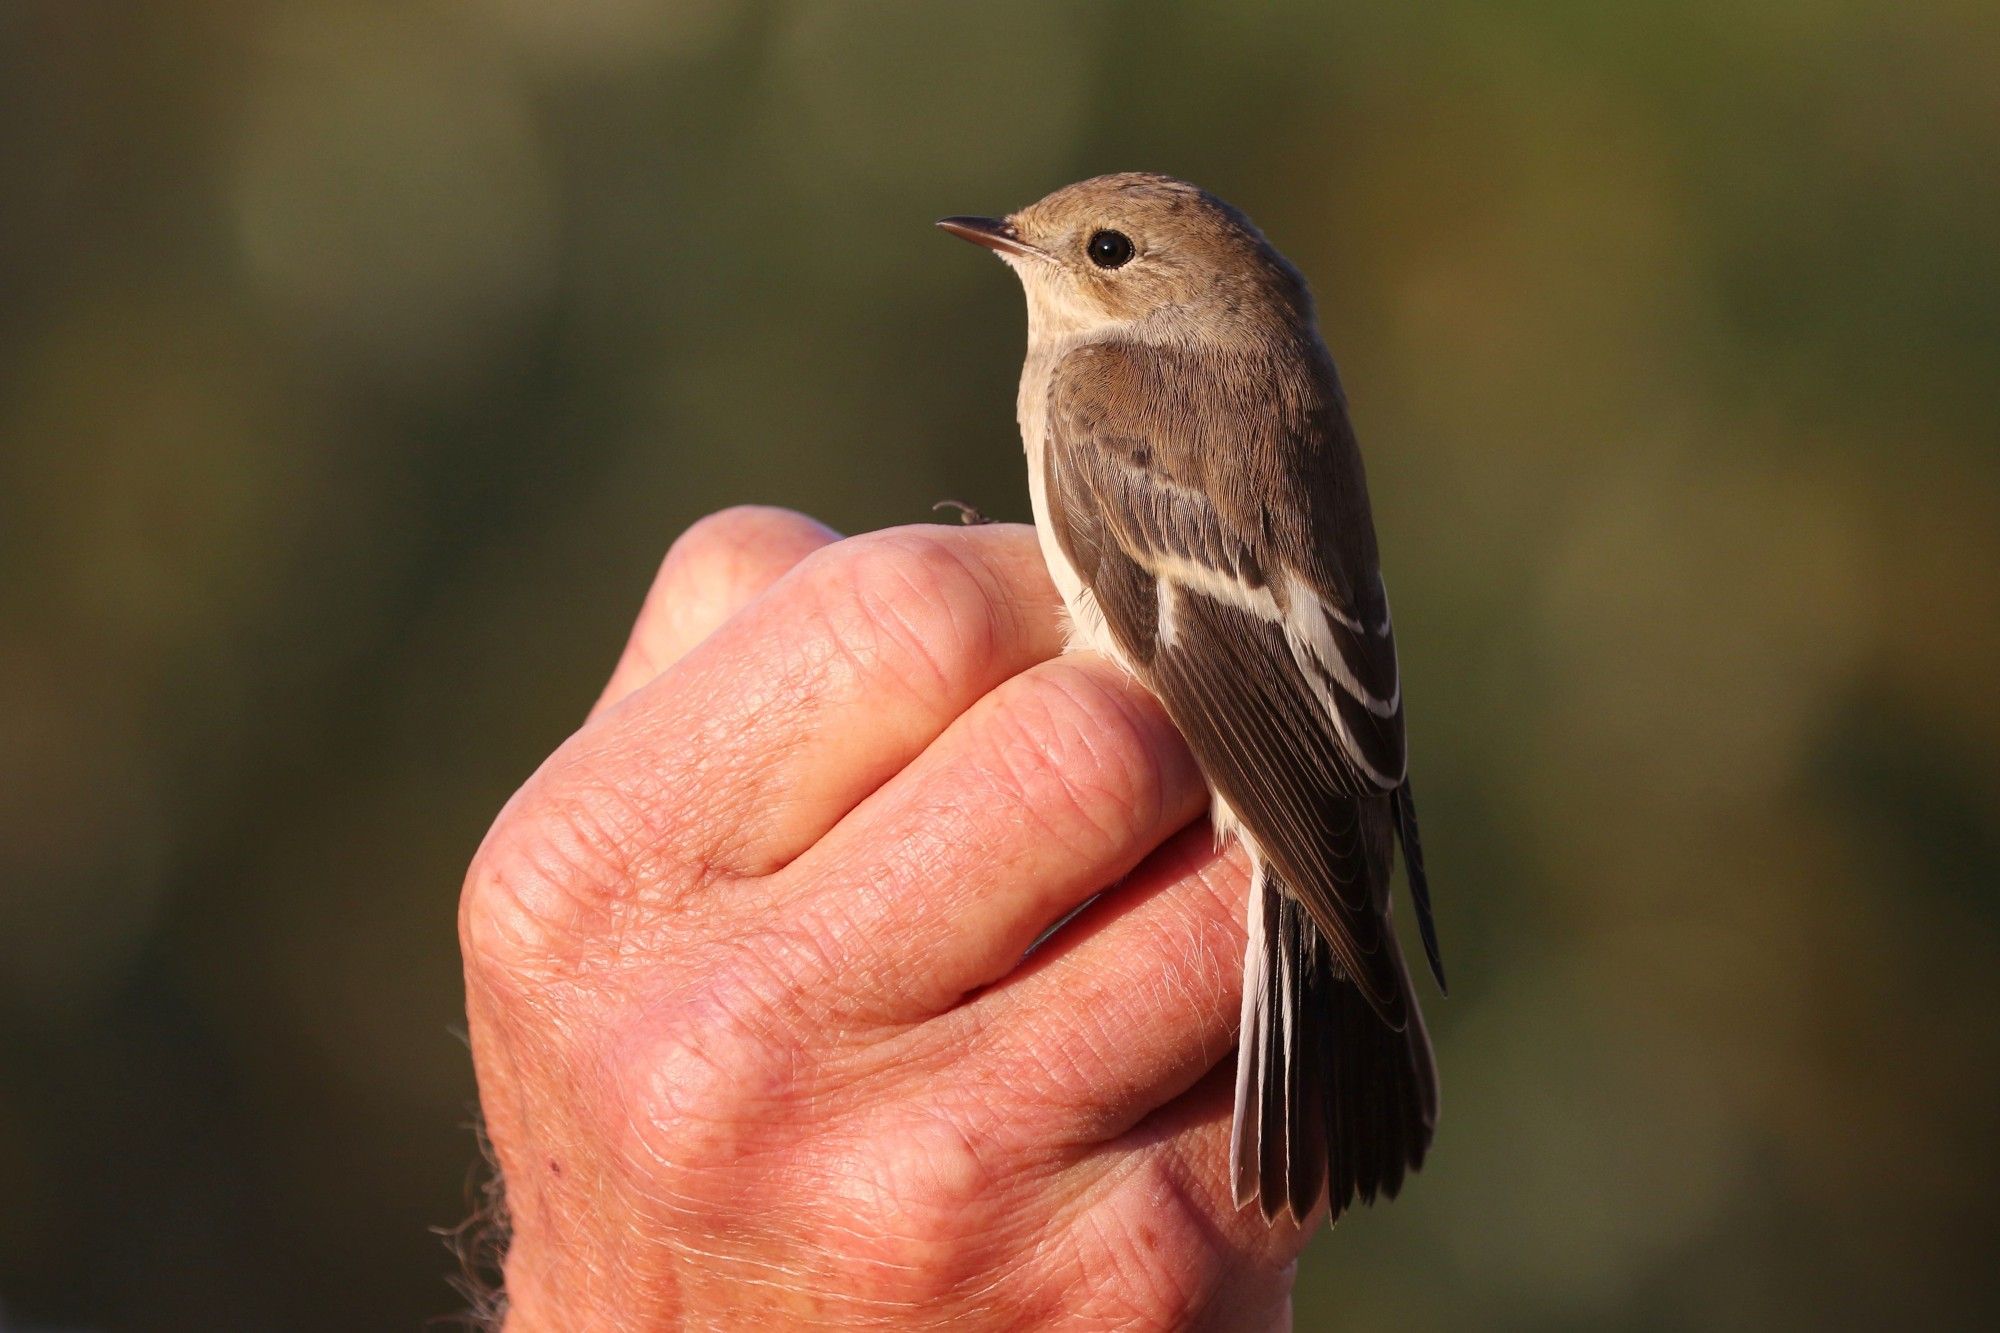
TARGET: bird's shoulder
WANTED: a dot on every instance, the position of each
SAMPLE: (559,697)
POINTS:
(1239,392)
(1257,435)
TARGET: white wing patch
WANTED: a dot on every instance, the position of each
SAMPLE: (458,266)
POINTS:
(1168,596)
(1223,586)
(1305,621)
(1307,625)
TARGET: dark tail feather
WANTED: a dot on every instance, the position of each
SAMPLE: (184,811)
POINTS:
(1328,1096)
(1405,803)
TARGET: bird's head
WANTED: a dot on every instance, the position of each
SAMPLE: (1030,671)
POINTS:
(1147,255)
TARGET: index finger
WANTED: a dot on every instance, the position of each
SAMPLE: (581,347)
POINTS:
(712,571)
(779,723)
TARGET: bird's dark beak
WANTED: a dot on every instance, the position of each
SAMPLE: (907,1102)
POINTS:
(995,234)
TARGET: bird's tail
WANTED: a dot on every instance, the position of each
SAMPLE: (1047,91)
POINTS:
(1328,1096)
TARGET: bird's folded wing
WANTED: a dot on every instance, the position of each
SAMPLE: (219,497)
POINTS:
(1286,691)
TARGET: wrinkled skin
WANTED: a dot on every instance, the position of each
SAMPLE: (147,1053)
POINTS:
(755,1038)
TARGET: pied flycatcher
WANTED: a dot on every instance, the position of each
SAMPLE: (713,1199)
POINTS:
(1200,501)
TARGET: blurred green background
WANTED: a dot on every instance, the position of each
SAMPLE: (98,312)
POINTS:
(359,361)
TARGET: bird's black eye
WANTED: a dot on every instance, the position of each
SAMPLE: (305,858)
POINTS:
(1109,249)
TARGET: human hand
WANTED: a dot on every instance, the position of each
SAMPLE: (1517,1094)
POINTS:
(755,1037)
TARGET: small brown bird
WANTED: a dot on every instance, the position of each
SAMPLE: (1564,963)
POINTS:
(1200,500)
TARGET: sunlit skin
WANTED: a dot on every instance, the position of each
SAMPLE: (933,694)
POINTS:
(755,1041)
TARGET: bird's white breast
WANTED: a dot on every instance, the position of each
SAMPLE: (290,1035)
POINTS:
(1087,630)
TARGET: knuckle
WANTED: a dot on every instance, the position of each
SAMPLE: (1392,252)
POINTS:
(706,1078)
(557,871)
(628,823)
(518,910)
(909,605)
(922,1205)
(1165,1241)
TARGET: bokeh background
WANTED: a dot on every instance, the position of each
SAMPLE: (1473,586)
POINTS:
(358,361)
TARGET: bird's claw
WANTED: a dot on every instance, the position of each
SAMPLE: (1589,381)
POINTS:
(966,513)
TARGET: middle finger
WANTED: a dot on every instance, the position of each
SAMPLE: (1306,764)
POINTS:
(1047,791)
